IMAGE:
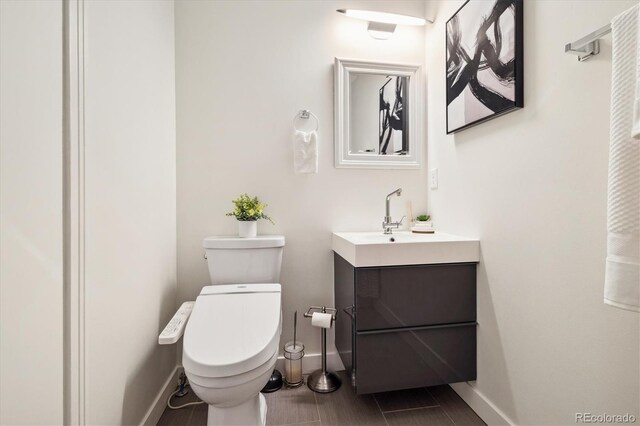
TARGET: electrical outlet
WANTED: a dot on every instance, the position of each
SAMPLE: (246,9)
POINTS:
(434,179)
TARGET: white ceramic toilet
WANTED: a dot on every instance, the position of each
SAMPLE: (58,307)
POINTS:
(232,337)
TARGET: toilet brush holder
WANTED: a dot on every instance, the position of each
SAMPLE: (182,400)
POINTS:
(322,381)
(293,354)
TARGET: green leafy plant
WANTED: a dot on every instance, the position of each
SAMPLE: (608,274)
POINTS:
(423,218)
(247,208)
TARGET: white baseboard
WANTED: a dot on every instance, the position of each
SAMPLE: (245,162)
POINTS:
(313,362)
(160,403)
(479,403)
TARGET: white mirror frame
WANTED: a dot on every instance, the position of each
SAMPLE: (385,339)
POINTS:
(345,159)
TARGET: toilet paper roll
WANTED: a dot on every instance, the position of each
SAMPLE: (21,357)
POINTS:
(318,319)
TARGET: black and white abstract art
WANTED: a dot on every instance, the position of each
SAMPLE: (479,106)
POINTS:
(392,137)
(484,62)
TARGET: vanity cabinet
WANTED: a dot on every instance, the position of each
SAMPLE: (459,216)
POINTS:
(407,326)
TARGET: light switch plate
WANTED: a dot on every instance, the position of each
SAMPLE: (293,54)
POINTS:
(433,179)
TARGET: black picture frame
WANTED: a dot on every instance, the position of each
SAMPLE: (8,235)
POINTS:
(505,105)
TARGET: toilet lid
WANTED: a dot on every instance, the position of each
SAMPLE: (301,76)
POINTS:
(232,329)
(234,242)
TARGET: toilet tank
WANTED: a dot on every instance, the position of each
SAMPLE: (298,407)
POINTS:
(234,260)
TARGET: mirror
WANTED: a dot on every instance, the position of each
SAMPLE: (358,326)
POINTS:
(377,115)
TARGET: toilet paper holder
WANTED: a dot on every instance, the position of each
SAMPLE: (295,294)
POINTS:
(322,310)
(321,380)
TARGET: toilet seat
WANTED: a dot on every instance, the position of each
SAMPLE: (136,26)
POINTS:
(233,330)
(230,381)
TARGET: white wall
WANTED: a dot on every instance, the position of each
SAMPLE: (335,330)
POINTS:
(31,272)
(243,70)
(364,110)
(532,186)
(130,206)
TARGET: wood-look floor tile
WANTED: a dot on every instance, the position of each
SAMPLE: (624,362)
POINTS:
(175,417)
(182,416)
(454,406)
(291,406)
(405,399)
(433,416)
(199,416)
(343,407)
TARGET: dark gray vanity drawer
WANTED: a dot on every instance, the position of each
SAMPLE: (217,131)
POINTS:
(409,296)
(429,356)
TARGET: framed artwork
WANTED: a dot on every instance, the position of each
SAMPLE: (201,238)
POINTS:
(484,62)
(392,135)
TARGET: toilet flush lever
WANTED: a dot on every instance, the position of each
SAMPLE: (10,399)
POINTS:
(175,328)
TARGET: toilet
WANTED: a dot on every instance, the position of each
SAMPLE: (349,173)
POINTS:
(232,338)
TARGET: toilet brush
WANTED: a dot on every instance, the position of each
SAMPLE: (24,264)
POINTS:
(295,327)
(293,353)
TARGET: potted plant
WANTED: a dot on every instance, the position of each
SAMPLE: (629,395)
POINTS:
(423,225)
(247,211)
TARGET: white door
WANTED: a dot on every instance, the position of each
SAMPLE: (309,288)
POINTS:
(31,212)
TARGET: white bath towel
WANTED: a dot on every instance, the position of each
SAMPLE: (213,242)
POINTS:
(622,279)
(305,152)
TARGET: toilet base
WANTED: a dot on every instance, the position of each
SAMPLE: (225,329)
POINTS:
(251,412)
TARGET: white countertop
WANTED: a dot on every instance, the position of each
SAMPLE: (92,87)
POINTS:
(374,248)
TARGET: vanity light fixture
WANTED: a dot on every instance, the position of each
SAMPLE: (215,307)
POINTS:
(382,24)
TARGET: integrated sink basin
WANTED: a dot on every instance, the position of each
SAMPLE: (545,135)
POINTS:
(362,249)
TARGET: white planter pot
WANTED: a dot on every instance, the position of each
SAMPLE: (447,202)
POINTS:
(424,223)
(247,228)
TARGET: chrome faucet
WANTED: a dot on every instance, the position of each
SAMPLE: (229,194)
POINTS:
(388,224)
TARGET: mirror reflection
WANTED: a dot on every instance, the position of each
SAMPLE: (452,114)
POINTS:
(378,114)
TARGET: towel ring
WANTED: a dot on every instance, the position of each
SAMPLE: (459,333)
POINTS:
(305,114)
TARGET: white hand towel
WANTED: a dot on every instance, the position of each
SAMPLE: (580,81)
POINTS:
(622,279)
(305,152)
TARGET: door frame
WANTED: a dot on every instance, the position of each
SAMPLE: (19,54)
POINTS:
(74,212)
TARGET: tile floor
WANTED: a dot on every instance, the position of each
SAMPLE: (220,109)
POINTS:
(438,405)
